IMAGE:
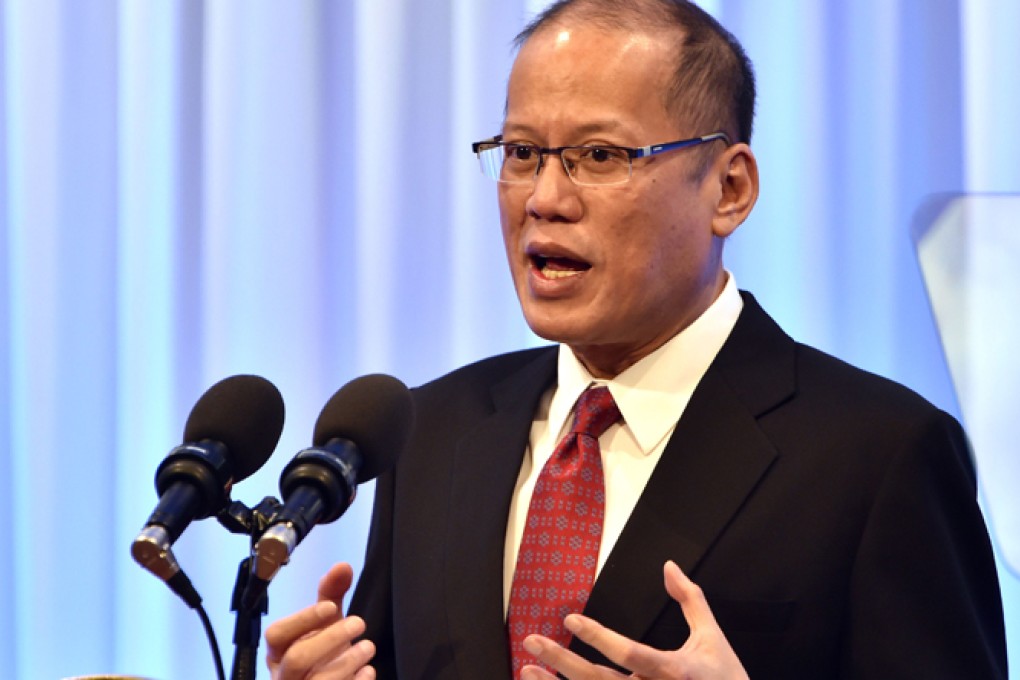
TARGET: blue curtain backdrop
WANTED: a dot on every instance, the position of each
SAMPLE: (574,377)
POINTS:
(192,189)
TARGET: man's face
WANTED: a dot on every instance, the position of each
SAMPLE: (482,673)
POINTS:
(612,271)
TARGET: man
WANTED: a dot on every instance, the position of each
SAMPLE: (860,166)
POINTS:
(828,515)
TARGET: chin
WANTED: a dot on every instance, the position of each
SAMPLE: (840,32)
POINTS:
(546,333)
(558,321)
(559,330)
(553,332)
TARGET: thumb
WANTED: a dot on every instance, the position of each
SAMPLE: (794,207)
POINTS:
(689,596)
(335,584)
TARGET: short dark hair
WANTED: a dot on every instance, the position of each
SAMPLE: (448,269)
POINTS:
(713,82)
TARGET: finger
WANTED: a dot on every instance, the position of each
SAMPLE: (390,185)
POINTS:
(689,596)
(552,655)
(335,584)
(366,673)
(349,664)
(634,656)
(285,632)
(536,673)
(329,650)
(562,660)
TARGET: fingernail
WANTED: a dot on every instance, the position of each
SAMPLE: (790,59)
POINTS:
(354,626)
(573,623)
(325,609)
(367,648)
(532,646)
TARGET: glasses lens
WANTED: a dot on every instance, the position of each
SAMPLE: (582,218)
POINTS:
(519,162)
(597,164)
(490,156)
(508,163)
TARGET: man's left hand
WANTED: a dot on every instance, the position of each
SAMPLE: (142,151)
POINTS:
(706,655)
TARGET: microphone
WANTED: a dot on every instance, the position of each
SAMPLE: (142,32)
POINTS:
(229,434)
(359,434)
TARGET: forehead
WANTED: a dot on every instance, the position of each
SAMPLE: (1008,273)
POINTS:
(587,76)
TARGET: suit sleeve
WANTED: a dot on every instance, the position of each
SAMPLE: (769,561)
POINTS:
(372,598)
(925,599)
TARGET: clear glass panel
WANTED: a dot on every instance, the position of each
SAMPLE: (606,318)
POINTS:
(969,251)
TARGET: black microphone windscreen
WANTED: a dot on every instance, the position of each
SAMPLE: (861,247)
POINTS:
(376,412)
(244,413)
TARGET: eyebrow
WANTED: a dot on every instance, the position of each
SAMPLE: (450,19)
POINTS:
(583,129)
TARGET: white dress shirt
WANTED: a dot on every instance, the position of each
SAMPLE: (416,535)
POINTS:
(652,395)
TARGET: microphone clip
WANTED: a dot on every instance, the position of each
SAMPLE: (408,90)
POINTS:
(238,518)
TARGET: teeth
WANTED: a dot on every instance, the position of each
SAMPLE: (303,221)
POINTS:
(558,273)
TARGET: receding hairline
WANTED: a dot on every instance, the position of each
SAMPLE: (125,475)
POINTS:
(635,16)
(671,35)
(696,38)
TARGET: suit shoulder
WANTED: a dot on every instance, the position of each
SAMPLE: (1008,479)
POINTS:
(767,367)
(474,381)
(453,404)
(820,373)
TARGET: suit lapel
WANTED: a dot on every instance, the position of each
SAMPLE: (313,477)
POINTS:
(712,463)
(486,464)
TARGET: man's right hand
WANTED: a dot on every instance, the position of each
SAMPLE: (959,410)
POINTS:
(316,642)
(706,654)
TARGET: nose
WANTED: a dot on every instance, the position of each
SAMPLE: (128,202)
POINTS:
(554,197)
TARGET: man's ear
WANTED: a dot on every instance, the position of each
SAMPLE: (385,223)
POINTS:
(738,177)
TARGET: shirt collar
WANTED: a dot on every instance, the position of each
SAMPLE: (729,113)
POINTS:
(653,393)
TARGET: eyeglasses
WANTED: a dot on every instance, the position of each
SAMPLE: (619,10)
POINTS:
(594,165)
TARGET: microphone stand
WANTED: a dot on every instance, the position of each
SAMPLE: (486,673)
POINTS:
(239,519)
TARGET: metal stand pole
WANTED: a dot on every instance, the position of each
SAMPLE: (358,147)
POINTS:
(238,519)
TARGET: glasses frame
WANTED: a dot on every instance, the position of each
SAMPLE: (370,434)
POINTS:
(631,152)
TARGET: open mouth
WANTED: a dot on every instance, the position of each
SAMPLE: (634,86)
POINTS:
(558,267)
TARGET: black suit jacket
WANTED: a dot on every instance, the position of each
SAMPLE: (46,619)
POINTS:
(828,514)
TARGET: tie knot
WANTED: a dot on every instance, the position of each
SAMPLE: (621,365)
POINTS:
(596,411)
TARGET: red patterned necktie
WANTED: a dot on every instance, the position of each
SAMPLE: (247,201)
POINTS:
(560,547)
